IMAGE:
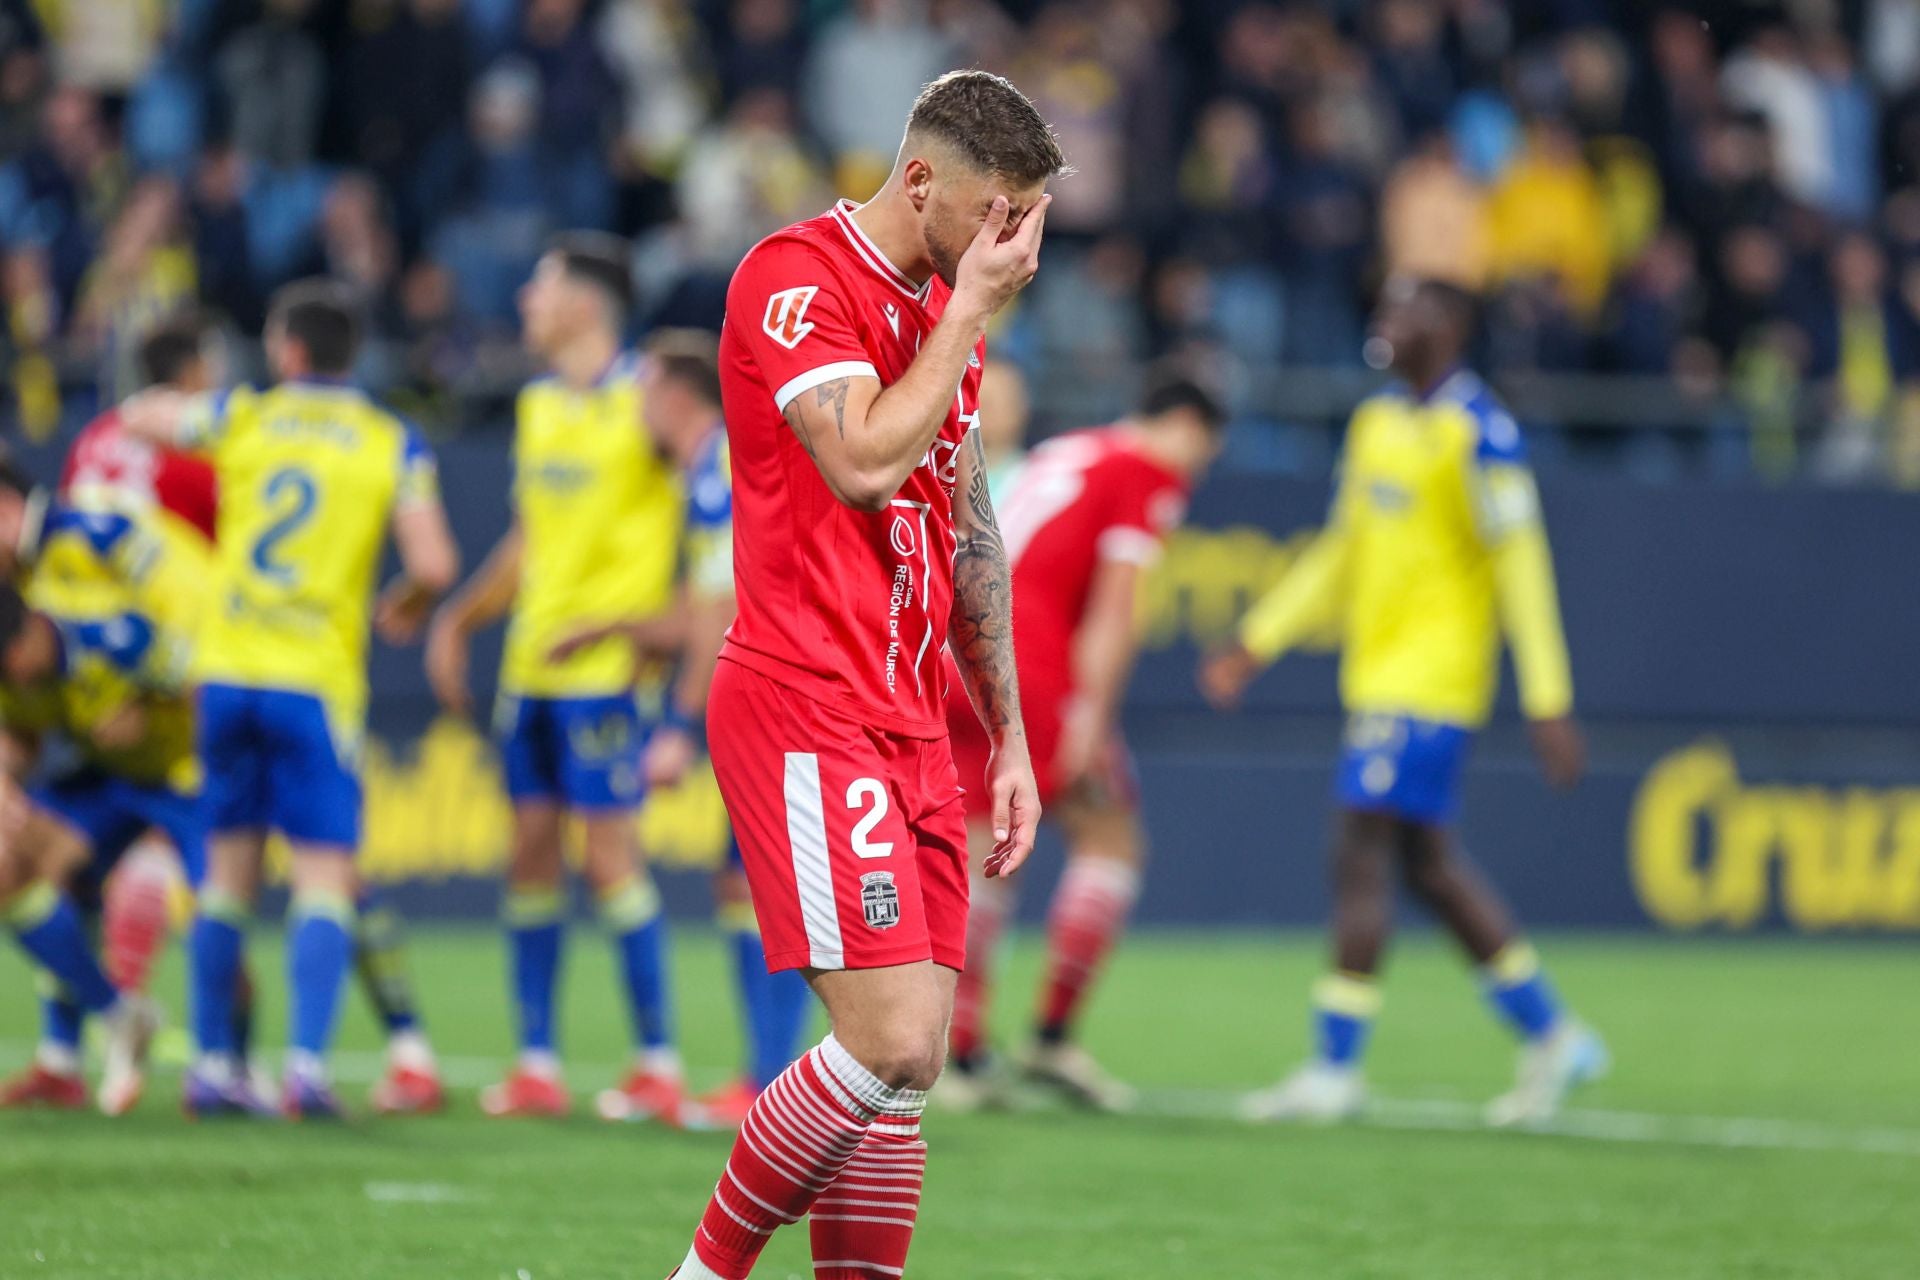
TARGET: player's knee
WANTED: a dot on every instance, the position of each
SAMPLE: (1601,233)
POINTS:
(906,1056)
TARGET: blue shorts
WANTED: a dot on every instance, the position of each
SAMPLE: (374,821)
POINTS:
(1396,764)
(580,752)
(113,813)
(273,763)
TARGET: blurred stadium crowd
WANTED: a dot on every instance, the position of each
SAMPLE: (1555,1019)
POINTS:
(1726,196)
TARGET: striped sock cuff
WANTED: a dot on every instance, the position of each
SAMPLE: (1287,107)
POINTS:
(227,908)
(737,917)
(323,905)
(31,907)
(530,906)
(867,1090)
(630,904)
(1513,964)
(1352,994)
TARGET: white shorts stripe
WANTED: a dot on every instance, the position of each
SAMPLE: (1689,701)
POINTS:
(812,867)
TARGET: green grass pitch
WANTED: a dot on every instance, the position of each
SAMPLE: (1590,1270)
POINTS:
(1763,1120)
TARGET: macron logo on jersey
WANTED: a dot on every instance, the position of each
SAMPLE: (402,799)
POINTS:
(893,318)
(786,321)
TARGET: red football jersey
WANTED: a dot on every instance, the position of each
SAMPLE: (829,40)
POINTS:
(846,607)
(1081,498)
(110,467)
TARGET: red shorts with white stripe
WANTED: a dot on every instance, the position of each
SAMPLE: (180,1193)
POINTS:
(854,839)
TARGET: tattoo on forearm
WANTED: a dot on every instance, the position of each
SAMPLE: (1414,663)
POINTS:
(981,630)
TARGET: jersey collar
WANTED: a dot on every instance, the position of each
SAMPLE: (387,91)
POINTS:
(1460,385)
(869,253)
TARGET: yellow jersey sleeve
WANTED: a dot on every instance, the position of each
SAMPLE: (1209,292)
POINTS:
(1507,509)
(1310,598)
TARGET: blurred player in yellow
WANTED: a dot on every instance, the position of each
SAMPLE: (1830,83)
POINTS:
(312,474)
(88,664)
(1433,550)
(680,377)
(595,540)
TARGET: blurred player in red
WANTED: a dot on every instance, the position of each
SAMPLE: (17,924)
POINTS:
(865,542)
(1084,521)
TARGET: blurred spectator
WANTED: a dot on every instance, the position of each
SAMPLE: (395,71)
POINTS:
(404,88)
(760,46)
(105,45)
(579,96)
(1229,183)
(220,239)
(1770,76)
(1852,122)
(746,178)
(1864,343)
(1546,218)
(1433,217)
(1752,289)
(1410,52)
(59,194)
(497,191)
(145,272)
(1327,218)
(864,71)
(660,62)
(23,73)
(1657,307)
(1067,71)
(274,79)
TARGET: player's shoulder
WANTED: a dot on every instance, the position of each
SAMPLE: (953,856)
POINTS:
(814,245)
(1494,432)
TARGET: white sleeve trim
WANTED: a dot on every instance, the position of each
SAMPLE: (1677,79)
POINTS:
(1132,546)
(815,377)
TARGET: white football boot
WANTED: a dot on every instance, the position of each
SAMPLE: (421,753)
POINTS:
(1071,1071)
(1550,1068)
(1317,1093)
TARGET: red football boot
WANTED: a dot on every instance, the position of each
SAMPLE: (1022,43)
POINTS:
(408,1091)
(644,1095)
(527,1093)
(39,1087)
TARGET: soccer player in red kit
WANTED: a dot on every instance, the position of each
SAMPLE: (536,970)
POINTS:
(865,543)
(1083,523)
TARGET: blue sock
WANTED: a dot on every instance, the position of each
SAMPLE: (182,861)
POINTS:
(534,931)
(214,952)
(50,930)
(61,1018)
(318,955)
(1344,1006)
(631,913)
(775,1004)
(1520,991)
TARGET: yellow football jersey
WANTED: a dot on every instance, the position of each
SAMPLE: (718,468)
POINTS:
(311,474)
(1433,548)
(599,514)
(86,563)
(109,663)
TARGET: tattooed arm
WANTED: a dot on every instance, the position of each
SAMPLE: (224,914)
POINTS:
(867,439)
(980,634)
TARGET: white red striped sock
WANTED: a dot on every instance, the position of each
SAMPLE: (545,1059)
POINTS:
(134,915)
(863,1224)
(1088,914)
(798,1136)
(992,903)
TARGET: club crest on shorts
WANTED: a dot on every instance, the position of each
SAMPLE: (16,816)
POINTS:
(880,900)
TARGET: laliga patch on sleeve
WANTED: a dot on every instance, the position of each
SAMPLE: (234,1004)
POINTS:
(786,321)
